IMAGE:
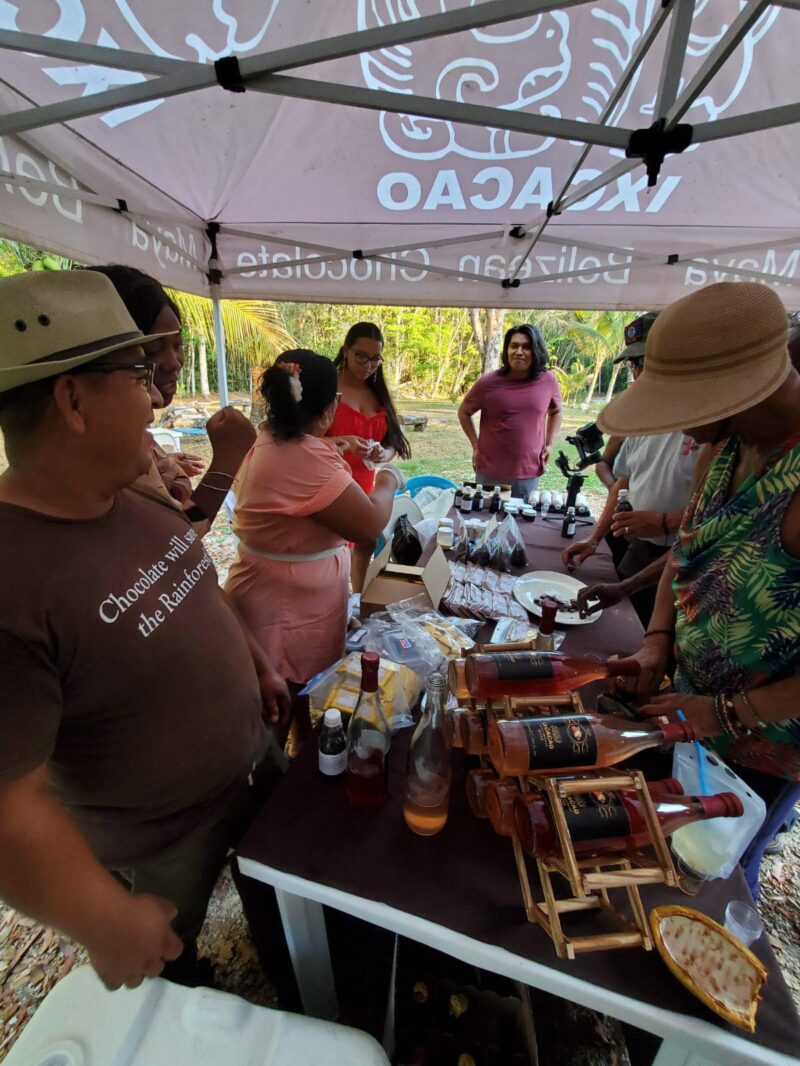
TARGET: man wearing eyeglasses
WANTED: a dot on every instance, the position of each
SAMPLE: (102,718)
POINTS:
(131,714)
(658,472)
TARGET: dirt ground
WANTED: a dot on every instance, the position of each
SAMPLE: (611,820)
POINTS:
(33,959)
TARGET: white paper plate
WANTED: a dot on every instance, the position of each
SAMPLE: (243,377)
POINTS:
(530,587)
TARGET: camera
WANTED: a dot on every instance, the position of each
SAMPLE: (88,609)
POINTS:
(588,440)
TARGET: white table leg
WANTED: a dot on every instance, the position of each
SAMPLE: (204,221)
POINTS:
(307,938)
(671,1053)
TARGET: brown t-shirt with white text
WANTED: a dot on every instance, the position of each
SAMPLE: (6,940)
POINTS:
(123,669)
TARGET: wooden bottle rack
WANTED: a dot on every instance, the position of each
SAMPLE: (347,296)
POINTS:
(590,880)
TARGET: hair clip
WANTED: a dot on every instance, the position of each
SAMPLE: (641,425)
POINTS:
(295,386)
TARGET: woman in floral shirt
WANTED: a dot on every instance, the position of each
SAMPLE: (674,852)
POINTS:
(727,606)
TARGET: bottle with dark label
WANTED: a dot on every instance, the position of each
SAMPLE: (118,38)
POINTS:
(477,500)
(498,796)
(458,497)
(575,742)
(332,745)
(496,503)
(568,525)
(428,787)
(526,673)
(545,638)
(368,742)
(623,503)
(605,822)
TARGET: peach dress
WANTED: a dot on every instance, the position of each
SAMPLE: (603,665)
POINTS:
(290,575)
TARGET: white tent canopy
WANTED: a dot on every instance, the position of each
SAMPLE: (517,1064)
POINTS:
(409,151)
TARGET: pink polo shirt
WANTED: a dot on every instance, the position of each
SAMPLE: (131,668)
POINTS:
(513,420)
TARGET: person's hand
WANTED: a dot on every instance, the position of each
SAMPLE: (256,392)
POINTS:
(698,710)
(378,454)
(652,658)
(544,456)
(475,457)
(637,524)
(578,552)
(275,694)
(395,474)
(136,944)
(191,465)
(231,436)
(355,445)
(597,597)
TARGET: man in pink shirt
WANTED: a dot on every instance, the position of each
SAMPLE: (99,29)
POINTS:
(520,406)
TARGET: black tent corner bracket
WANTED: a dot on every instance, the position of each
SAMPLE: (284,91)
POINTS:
(655,143)
(507,283)
(214,276)
(228,74)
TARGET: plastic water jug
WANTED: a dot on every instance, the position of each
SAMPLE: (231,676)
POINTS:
(713,848)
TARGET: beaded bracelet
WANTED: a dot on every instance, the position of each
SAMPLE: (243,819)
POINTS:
(720,714)
(748,703)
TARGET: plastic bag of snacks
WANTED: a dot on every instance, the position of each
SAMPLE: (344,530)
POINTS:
(510,631)
(452,635)
(512,547)
(340,684)
(484,552)
(460,541)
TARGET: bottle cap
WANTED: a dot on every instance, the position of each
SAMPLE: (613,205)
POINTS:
(370,661)
(333,718)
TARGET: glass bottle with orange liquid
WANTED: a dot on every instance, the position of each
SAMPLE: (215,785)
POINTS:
(368,742)
(526,673)
(520,746)
(606,822)
(428,788)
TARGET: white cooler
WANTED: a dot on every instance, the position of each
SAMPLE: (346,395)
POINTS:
(80,1023)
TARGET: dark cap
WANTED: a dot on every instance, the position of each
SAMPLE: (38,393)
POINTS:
(636,337)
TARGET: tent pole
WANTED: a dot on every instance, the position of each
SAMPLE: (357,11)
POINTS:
(219,346)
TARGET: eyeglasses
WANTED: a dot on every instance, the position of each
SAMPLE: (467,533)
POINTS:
(363,359)
(111,368)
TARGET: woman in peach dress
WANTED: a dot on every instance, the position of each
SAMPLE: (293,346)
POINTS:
(297,506)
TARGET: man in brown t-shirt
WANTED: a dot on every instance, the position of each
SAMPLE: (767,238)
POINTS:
(131,717)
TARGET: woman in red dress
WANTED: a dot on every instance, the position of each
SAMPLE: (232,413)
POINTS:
(366,422)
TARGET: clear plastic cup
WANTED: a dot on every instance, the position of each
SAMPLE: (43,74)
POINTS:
(690,881)
(743,921)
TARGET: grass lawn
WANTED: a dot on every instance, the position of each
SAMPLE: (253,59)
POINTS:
(441,448)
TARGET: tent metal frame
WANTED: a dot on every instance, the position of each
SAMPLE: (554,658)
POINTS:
(263,73)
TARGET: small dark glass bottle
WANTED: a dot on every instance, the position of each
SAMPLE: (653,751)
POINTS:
(477,500)
(568,525)
(496,502)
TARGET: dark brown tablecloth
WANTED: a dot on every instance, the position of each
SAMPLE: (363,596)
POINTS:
(465,878)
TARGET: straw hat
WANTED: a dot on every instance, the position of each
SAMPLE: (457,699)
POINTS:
(710,355)
(52,321)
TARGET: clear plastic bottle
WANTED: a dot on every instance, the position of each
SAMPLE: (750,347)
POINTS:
(368,742)
(545,501)
(428,788)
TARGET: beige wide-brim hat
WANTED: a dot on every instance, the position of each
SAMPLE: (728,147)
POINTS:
(52,321)
(710,355)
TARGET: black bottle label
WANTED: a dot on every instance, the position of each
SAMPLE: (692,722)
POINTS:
(594,815)
(558,743)
(516,666)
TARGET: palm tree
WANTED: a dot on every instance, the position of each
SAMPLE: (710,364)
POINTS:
(254,332)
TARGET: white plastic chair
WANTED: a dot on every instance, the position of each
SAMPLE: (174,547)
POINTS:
(168,439)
